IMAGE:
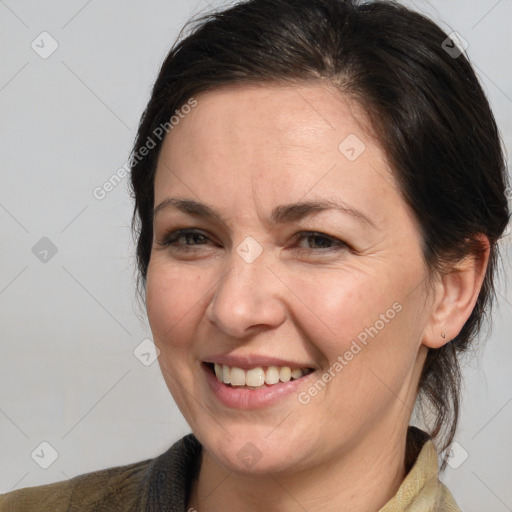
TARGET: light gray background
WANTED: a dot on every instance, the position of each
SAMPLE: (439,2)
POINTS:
(68,328)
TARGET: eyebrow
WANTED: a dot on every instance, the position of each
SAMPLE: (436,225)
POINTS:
(282,214)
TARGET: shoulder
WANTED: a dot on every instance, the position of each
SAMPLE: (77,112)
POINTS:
(151,483)
(117,488)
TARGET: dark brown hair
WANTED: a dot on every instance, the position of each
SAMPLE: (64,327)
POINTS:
(425,105)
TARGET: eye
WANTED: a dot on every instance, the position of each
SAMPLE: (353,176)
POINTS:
(190,237)
(189,240)
(320,242)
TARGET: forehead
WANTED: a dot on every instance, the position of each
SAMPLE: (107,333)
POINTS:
(275,142)
(287,116)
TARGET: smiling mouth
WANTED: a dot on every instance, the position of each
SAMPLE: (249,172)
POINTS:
(259,377)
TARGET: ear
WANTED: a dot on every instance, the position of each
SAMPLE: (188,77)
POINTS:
(456,294)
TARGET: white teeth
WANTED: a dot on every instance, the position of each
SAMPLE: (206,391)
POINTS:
(296,374)
(255,377)
(272,375)
(285,374)
(258,376)
(226,370)
(237,376)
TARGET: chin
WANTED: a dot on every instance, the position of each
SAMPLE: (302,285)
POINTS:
(252,450)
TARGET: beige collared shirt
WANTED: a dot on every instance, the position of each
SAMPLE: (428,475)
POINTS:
(421,491)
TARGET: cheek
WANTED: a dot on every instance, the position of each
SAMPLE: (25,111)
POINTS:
(367,342)
(342,307)
(174,298)
(364,324)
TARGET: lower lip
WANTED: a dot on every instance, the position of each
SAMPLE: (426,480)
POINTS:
(243,398)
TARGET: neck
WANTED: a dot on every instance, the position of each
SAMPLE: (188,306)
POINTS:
(364,478)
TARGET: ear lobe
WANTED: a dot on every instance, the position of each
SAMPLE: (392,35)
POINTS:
(456,294)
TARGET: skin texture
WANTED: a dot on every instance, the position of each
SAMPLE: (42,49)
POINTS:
(244,150)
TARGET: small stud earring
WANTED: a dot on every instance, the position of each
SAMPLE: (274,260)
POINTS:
(443,335)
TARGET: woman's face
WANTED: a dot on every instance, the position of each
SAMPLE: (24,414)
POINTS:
(260,285)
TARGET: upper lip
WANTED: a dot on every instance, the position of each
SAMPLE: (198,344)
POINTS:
(252,360)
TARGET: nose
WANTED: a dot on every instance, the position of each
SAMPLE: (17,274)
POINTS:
(247,298)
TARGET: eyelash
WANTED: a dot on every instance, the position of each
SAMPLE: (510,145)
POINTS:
(172,237)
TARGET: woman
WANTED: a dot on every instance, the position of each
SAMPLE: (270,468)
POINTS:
(316,241)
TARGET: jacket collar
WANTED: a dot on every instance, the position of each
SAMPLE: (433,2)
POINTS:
(172,473)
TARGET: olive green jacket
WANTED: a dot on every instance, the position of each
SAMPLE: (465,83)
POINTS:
(162,484)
